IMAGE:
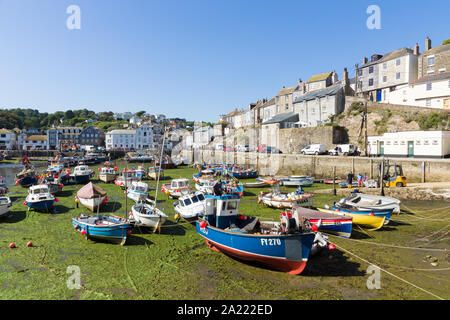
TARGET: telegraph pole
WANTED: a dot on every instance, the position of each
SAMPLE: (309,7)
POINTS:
(365,128)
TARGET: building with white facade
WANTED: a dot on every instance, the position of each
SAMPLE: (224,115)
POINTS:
(202,136)
(120,139)
(7,139)
(35,142)
(144,137)
(418,144)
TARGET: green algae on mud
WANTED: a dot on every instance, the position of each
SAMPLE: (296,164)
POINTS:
(177,264)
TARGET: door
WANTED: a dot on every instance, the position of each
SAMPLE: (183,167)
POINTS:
(410,148)
(378,95)
(381,148)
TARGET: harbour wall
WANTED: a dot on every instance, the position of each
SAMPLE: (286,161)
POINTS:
(322,166)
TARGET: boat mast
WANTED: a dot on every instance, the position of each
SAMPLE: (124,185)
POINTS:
(160,165)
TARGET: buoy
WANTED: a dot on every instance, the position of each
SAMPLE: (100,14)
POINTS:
(314,228)
(24,203)
(77,227)
(17,183)
(12,245)
(331,246)
(128,232)
(29,244)
(83,232)
(56,200)
(176,216)
(203,224)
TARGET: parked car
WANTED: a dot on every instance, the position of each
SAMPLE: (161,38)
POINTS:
(314,149)
(345,149)
(267,149)
(242,148)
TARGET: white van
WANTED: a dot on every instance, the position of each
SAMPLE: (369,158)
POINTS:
(314,149)
(345,149)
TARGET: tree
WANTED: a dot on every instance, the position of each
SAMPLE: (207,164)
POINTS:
(140,113)
(69,114)
(447,41)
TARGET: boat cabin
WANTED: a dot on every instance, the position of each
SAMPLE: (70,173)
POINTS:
(191,199)
(221,211)
(41,188)
(179,183)
(81,170)
(107,170)
(139,187)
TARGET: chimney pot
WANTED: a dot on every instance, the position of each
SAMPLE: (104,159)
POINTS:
(416,49)
(427,44)
(364,60)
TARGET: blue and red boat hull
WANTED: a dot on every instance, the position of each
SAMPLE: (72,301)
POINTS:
(44,205)
(287,253)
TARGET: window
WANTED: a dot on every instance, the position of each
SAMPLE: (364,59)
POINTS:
(384,66)
(371,69)
(418,143)
(361,84)
(428,103)
(359,72)
(384,78)
(370,82)
(449,83)
(431,61)
(435,142)
(395,143)
(232,205)
(430,72)
(397,75)
(397,62)
(426,142)
(429,86)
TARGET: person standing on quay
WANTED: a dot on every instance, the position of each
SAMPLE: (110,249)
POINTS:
(350,179)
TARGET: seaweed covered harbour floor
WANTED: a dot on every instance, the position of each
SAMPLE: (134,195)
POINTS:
(177,264)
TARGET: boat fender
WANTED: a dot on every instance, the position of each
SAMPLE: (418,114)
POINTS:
(203,224)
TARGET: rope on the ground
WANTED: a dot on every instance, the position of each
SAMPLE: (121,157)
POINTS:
(391,245)
(391,274)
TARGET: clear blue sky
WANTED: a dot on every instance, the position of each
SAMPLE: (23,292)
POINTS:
(193,59)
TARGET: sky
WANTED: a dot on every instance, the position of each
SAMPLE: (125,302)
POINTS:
(192,59)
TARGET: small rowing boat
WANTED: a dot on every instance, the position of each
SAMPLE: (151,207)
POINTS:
(103,227)
(368,222)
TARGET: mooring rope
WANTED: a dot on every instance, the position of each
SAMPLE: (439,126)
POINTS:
(391,245)
(391,274)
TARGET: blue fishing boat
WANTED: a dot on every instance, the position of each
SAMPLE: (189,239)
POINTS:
(103,227)
(343,208)
(240,173)
(26,178)
(340,225)
(39,198)
(81,174)
(247,238)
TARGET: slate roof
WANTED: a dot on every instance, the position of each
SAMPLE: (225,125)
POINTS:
(36,138)
(287,90)
(329,91)
(395,54)
(435,50)
(283,117)
(433,77)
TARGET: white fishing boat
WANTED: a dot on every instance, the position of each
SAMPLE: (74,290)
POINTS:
(5,205)
(138,191)
(278,199)
(92,197)
(176,188)
(146,215)
(107,174)
(39,198)
(126,178)
(190,206)
(206,187)
(367,202)
(295,181)
(154,171)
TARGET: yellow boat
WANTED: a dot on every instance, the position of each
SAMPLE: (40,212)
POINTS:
(364,220)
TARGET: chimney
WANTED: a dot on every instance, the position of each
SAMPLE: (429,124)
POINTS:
(364,60)
(416,49)
(427,44)
(345,75)
(304,87)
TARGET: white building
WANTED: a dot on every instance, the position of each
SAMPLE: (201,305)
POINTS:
(120,139)
(425,144)
(134,120)
(35,142)
(202,136)
(7,139)
(431,91)
(144,138)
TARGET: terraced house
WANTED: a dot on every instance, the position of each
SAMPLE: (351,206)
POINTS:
(92,136)
(7,139)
